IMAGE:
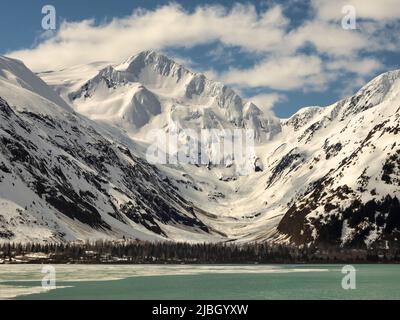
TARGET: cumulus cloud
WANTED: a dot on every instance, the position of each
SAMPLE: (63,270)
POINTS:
(170,25)
(285,73)
(327,38)
(306,56)
(362,67)
(221,53)
(266,101)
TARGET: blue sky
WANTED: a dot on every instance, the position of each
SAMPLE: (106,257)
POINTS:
(281,54)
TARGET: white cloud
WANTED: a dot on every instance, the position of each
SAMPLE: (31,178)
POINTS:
(285,73)
(266,101)
(362,67)
(210,74)
(287,63)
(327,38)
(221,53)
(170,25)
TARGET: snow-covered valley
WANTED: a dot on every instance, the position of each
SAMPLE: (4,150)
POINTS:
(73,160)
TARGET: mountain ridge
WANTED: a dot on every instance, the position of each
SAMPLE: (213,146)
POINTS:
(313,175)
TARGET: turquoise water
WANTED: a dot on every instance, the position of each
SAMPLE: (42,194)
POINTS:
(200,282)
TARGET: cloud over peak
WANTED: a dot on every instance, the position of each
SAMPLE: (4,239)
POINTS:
(288,56)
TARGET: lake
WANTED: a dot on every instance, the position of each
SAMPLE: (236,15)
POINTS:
(206,282)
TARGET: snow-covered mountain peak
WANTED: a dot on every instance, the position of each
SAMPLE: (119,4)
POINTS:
(190,99)
(151,69)
(384,80)
(20,86)
(157,62)
(64,177)
(383,88)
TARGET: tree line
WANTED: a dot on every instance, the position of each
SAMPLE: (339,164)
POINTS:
(136,252)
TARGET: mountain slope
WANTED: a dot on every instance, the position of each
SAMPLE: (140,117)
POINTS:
(61,178)
(16,80)
(313,165)
(352,202)
(328,175)
(328,164)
